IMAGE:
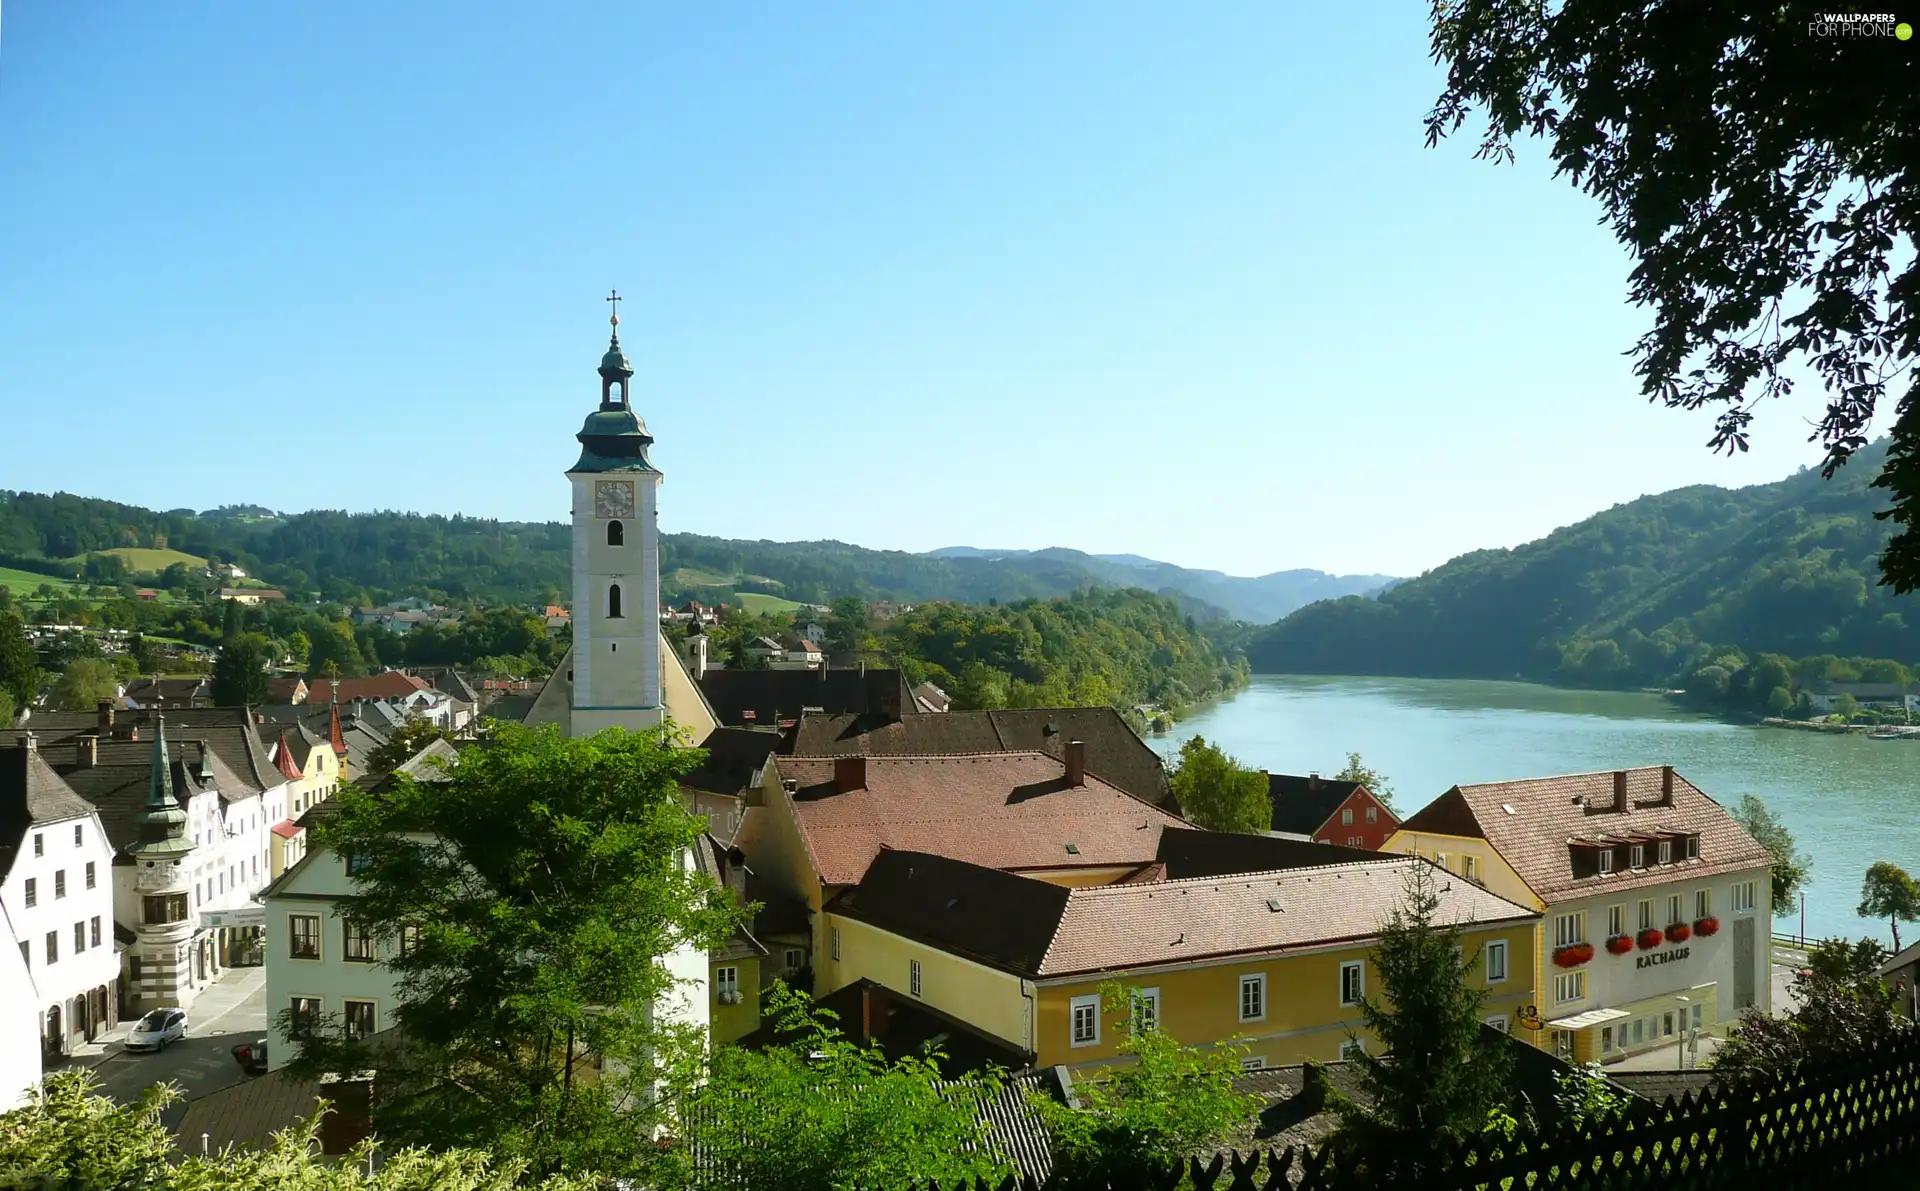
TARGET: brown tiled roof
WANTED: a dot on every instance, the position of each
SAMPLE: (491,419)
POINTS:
(1036,929)
(1114,752)
(31,792)
(784,694)
(230,731)
(902,1026)
(1001,810)
(246,1115)
(1548,813)
(1126,926)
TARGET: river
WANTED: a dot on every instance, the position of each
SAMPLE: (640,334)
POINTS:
(1849,801)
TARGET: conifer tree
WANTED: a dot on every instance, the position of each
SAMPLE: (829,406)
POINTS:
(1431,1080)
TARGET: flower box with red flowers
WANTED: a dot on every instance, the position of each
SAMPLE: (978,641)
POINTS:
(1572,955)
(1649,939)
(1706,926)
(1620,944)
(1679,932)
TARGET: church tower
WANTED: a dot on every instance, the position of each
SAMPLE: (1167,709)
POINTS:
(616,560)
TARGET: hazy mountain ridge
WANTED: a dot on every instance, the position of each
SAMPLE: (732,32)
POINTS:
(1260,599)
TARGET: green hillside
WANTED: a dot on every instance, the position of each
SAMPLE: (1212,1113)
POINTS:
(146,559)
(1640,593)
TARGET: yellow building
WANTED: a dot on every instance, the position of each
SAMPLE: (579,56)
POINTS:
(1654,902)
(818,822)
(1277,959)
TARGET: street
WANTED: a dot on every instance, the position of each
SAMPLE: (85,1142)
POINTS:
(231,1011)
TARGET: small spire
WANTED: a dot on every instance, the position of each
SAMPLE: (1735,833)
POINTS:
(613,296)
(160,778)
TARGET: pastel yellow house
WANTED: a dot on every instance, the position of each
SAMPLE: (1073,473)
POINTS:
(1654,902)
(818,822)
(1279,960)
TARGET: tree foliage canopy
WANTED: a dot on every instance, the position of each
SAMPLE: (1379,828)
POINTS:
(1218,793)
(1760,169)
(536,892)
(1889,892)
(1789,866)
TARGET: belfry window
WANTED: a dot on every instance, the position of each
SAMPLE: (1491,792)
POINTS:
(613,600)
(616,534)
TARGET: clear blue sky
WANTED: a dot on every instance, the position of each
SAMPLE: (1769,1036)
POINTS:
(1168,279)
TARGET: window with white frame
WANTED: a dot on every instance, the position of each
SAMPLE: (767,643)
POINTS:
(1253,1063)
(358,942)
(1703,903)
(1253,997)
(1496,961)
(1146,1009)
(1673,909)
(913,977)
(1470,867)
(1743,897)
(1084,1016)
(1646,915)
(91,876)
(726,982)
(1346,817)
(360,1017)
(1352,1049)
(1569,929)
(1373,814)
(1666,851)
(1616,921)
(1441,859)
(303,936)
(1356,841)
(1569,987)
(1606,860)
(1693,847)
(795,959)
(1637,856)
(1353,982)
(79,836)
(1499,1022)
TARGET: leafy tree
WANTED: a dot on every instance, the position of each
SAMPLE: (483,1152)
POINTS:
(1834,1020)
(1218,793)
(331,651)
(406,742)
(1376,782)
(83,684)
(8,712)
(538,889)
(981,688)
(1790,867)
(1436,1080)
(848,624)
(1584,1096)
(1751,166)
(19,667)
(1779,700)
(240,673)
(1170,1102)
(1848,707)
(819,1112)
(1889,892)
(1847,963)
(74,1139)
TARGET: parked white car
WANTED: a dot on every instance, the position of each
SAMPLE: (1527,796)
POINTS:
(157,1028)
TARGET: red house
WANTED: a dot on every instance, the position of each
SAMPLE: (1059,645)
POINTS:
(1328,811)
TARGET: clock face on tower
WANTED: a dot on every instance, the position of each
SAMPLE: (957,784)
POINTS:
(613,498)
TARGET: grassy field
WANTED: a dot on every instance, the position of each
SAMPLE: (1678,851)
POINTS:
(143,559)
(754,603)
(695,577)
(26,582)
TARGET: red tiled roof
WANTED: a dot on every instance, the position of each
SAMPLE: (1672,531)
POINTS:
(287,829)
(283,759)
(999,810)
(1549,813)
(389,684)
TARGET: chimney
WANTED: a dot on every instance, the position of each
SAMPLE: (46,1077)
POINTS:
(1313,781)
(1076,758)
(86,751)
(873,1011)
(1620,791)
(29,743)
(1666,785)
(849,773)
(103,713)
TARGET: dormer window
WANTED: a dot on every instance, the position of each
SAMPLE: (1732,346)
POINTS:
(1637,856)
(1606,860)
(1666,851)
(1693,850)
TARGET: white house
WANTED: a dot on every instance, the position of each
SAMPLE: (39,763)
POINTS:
(1884,696)
(20,1068)
(56,885)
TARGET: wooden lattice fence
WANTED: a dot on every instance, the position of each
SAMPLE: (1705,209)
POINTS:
(1829,1128)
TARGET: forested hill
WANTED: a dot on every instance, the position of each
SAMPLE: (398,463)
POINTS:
(1639,593)
(376,556)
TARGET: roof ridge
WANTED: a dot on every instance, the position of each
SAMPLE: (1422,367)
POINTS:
(926,756)
(1555,777)
(1231,878)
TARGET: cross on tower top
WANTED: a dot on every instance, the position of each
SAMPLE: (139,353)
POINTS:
(613,296)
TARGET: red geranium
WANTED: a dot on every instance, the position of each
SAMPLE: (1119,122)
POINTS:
(1679,932)
(1573,955)
(1650,938)
(1707,926)
(1620,944)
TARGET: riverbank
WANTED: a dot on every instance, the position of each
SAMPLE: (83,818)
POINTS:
(1900,731)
